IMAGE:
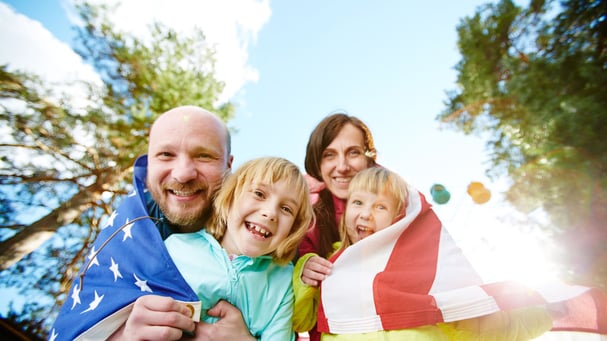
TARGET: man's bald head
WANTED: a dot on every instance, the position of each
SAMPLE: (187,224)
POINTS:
(184,113)
(188,156)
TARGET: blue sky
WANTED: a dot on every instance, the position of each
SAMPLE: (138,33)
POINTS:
(390,65)
(290,63)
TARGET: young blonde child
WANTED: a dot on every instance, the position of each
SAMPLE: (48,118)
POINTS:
(260,215)
(378,198)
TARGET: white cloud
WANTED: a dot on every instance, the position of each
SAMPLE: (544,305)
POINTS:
(231,26)
(28,46)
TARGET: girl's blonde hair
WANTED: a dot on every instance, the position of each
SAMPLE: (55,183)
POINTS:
(376,180)
(266,170)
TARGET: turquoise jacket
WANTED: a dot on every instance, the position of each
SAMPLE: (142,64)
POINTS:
(261,289)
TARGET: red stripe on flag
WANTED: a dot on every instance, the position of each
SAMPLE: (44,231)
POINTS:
(401,290)
(511,295)
(584,313)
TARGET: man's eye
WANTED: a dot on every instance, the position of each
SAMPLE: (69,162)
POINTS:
(205,156)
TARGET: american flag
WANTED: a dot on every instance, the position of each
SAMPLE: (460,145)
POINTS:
(127,260)
(413,274)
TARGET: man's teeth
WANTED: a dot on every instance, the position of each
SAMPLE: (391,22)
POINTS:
(342,180)
(183,193)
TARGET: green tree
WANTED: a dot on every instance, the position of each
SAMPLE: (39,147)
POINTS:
(532,80)
(66,161)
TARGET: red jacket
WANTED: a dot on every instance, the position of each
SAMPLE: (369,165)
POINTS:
(310,242)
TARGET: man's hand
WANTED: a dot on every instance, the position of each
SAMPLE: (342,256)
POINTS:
(230,326)
(316,270)
(155,318)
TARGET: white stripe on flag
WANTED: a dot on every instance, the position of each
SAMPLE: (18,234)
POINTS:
(453,270)
(355,270)
(557,291)
(355,326)
(465,303)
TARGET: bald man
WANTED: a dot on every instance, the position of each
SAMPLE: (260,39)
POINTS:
(189,153)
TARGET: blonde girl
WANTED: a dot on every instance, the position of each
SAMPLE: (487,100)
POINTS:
(260,215)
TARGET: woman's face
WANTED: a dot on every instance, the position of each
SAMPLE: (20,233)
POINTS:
(343,158)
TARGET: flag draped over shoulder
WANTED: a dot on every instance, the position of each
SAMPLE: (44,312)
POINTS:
(413,274)
(127,260)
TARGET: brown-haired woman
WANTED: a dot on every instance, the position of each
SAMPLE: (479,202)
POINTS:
(339,147)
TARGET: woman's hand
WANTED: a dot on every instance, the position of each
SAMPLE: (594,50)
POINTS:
(315,270)
(315,187)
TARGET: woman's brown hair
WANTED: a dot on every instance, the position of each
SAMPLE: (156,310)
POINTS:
(320,138)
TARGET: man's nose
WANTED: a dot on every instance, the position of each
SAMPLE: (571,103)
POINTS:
(185,170)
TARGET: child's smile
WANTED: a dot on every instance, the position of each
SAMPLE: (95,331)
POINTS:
(364,231)
(260,219)
(258,230)
(367,213)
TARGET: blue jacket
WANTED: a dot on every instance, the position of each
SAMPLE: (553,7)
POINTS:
(261,289)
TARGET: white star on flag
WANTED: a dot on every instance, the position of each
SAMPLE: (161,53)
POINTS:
(110,220)
(114,269)
(143,285)
(95,302)
(127,230)
(92,255)
(53,335)
(76,295)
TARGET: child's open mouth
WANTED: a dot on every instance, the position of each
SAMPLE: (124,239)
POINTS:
(258,230)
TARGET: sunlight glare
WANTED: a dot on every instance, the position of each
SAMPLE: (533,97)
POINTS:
(501,250)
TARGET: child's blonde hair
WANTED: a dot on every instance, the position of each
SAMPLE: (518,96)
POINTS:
(267,170)
(376,180)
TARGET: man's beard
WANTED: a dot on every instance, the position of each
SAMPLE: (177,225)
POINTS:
(191,222)
(182,219)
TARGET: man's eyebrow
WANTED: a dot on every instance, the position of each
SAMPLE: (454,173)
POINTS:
(208,152)
(162,145)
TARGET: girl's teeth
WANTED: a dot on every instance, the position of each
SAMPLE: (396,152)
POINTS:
(262,231)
